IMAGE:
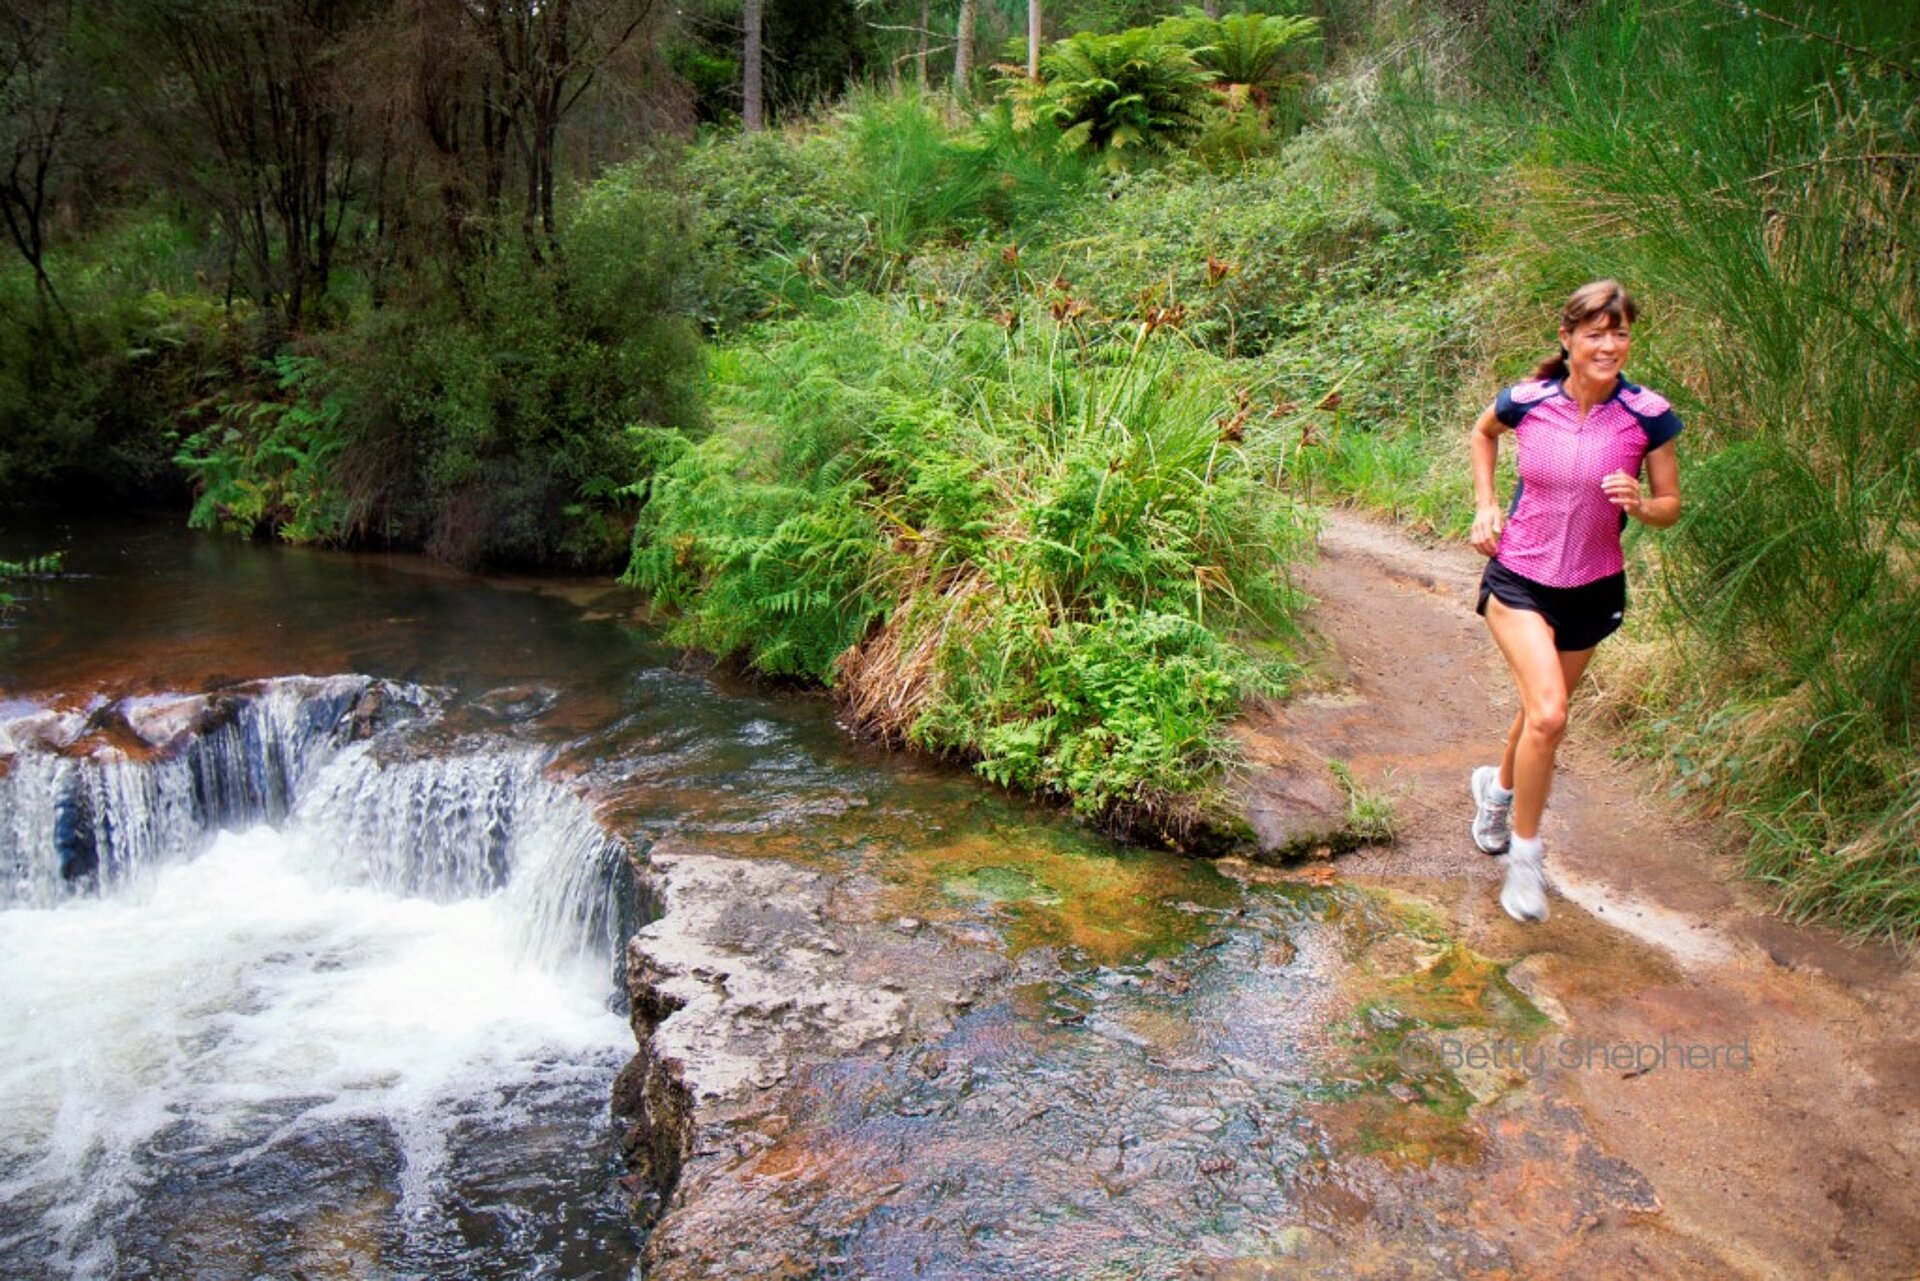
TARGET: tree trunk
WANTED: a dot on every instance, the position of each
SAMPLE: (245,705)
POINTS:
(920,58)
(752,94)
(1211,8)
(963,48)
(1033,39)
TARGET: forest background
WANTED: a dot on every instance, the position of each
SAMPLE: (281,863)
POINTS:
(986,364)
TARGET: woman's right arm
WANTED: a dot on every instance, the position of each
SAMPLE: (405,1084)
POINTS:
(1484,444)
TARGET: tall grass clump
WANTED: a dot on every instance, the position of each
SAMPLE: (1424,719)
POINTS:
(1030,545)
(1755,170)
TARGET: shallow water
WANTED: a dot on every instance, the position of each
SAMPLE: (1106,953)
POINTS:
(378,1041)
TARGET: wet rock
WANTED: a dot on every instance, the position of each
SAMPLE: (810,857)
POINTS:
(517,702)
(1293,802)
(792,991)
(743,983)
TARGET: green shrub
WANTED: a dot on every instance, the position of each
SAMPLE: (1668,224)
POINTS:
(267,459)
(499,423)
(909,174)
(1132,92)
(1027,548)
(89,396)
(772,226)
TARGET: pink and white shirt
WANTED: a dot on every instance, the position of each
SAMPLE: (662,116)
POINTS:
(1561,529)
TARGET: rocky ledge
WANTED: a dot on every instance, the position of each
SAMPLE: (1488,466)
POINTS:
(751,974)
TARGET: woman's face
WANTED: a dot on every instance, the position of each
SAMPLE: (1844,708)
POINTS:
(1597,349)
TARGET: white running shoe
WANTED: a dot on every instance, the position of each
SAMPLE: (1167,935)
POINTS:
(1524,896)
(1489,816)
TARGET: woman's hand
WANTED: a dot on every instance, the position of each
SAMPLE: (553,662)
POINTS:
(1623,491)
(1487,524)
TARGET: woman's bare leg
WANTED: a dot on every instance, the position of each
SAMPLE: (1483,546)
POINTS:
(1572,666)
(1545,677)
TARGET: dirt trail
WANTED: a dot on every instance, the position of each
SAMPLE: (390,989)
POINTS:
(1805,1164)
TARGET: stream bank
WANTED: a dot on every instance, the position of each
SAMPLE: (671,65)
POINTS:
(1231,1069)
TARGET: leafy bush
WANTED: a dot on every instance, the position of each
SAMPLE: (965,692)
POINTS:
(771,223)
(789,217)
(267,459)
(1132,92)
(1026,548)
(90,391)
(501,423)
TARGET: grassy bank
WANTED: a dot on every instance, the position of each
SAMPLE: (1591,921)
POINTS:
(1038,544)
(1350,296)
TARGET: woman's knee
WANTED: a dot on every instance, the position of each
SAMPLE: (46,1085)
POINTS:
(1546,718)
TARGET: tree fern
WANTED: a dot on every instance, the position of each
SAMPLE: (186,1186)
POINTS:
(1135,90)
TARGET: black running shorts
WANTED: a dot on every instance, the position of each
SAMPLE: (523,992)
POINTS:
(1581,617)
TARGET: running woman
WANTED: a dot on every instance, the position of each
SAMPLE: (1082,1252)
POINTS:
(1555,585)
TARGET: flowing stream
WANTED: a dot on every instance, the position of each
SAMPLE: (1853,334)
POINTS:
(274,996)
(306,974)
(316,876)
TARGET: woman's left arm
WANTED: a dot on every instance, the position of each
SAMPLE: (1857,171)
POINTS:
(1659,509)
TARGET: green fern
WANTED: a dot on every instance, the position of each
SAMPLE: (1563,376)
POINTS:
(1259,52)
(1063,525)
(1133,91)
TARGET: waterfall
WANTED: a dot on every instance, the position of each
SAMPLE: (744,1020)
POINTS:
(92,802)
(297,916)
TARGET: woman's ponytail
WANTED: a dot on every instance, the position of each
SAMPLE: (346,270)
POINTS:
(1552,368)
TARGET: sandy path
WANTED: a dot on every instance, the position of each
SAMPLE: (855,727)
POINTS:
(1806,1164)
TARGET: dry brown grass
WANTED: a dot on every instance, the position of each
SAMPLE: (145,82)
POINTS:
(891,677)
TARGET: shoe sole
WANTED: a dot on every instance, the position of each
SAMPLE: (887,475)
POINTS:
(1525,918)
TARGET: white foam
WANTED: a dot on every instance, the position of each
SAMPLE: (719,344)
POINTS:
(252,976)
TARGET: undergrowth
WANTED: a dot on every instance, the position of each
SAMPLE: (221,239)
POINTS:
(1036,545)
(1748,170)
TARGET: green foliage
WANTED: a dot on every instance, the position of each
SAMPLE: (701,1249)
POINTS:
(910,175)
(1023,548)
(500,425)
(1260,52)
(787,218)
(1370,811)
(1135,91)
(772,224)
(89,394)
(44,565)
(268,462)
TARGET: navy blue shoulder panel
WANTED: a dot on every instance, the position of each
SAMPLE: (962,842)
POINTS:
(1515,402)
(1653,412)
